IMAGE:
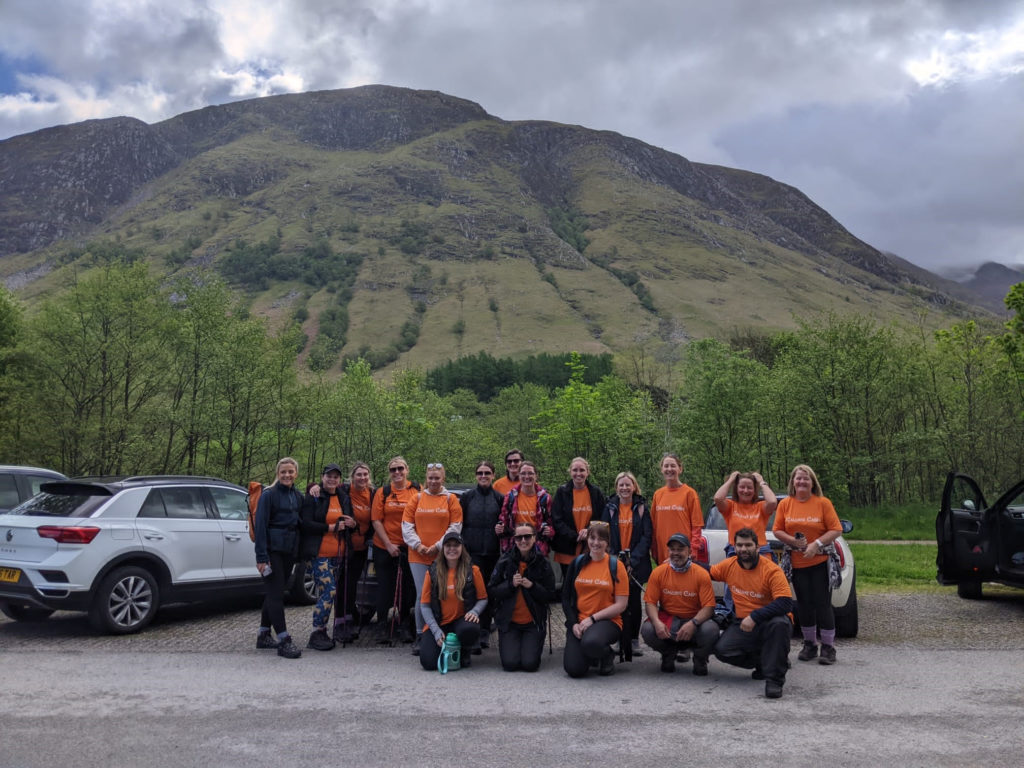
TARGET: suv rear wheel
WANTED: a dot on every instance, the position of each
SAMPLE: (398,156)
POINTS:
(303,589)
(126,601)
(24,612)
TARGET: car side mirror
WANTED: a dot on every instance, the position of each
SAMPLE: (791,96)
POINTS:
(968,505)
(847,525)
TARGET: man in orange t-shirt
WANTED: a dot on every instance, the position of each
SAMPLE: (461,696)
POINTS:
(759,639)
(680,602)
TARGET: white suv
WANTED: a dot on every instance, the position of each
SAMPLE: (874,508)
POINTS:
(120,548)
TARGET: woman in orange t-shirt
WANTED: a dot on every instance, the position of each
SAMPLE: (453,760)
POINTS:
(454,595)
(739,506)
(806,522)
(675,508)
(593,599)
(575,504)
(427,518)
(526,503)
(396,590)
(626,512)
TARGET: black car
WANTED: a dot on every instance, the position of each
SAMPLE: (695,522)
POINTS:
(978,542)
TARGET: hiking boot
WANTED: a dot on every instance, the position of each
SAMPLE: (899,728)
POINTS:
(343,633)
(668,662)
(772,690)
(287,649)
(700,667)
(637,650)
(319,641)
(828,654)
(266,641)
(757,674)
(808,652)
(607,666)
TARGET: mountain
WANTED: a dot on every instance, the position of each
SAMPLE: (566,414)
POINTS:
(992,282)
(413,226)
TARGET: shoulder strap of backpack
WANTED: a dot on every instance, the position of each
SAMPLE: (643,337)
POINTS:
(613,567)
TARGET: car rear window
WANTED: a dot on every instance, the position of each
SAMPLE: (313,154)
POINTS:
(64,500)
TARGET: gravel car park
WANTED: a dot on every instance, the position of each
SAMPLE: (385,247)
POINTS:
(119,548)
(844,599)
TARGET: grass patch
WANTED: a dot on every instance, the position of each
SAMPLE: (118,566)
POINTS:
(894,565)
(913,522)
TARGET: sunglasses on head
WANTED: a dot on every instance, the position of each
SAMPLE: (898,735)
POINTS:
(435,466)
(523,536)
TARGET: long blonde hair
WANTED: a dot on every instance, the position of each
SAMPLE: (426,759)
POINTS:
(462,572)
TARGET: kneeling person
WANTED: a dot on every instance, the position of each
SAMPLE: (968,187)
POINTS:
(680,602)
(454,596)
(762,600)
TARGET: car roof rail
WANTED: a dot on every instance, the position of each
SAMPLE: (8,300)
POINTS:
(169,478)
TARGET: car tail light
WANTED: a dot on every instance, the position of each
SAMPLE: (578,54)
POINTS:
(842,555)
(74,534)
(700,550)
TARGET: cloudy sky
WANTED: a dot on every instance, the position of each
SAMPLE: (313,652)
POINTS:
(904,119)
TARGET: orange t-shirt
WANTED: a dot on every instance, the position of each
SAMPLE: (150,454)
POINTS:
(582,512)
(521,613)
(680,594)
(625,525)
(674,510)
(452,605)
(391,514)
(331,545)
(812,518)
(739,516)
(431,515)
(595,590)
(751,589)
(361,512)
(526,508)
(503,485)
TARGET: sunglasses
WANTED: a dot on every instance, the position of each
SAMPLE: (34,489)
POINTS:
(523,536)
(435,466)
(396,469)
(513,461)
(484,473)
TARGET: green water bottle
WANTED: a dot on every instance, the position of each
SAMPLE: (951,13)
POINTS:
(451,654)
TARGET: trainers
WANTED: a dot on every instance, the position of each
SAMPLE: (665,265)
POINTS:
(772,690)
(287,649)
(266,641)
(828,654)
(668,662)
(319,641)
(607,666)
(757,674)
(700,667)
(808,652)
(637,650)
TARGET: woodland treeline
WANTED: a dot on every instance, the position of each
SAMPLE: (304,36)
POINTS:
(122,374)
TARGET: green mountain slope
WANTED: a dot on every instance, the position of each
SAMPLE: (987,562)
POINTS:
(412,227)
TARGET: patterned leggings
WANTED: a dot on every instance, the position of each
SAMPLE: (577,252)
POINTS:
(326,571)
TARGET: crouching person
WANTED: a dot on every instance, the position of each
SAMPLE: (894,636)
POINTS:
(454,596)
(760,640)
(680,603)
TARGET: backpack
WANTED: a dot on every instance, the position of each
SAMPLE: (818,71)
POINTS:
(625,644)
(253,497)
(386,490)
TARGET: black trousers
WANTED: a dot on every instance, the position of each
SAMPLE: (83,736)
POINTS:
(813,597)
(353,570)
(468,633)
(703,639)
(521,647)
(767,647)
(595,645)
(486,565)
(634,615)
(389,569)
(281,565)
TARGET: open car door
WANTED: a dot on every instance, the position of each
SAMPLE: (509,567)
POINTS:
(964,533)
(1007,520)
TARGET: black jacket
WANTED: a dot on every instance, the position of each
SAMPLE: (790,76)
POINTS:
(469,596)
(639,545)
(314,522)
(566,532)
(537,597)
(569,585)
(480,511)
(277,522)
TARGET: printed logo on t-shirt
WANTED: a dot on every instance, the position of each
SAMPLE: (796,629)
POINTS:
(803,519)
(679,592)
(748,592)
(599,582)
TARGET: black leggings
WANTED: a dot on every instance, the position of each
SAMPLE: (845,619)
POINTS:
(387,570)
(634,616)
(814,597)
(521,647)
(354,569)
(468,633)
(595,645)
(281,565)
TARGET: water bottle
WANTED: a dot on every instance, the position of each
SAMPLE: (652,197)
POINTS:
(800,538)
(451,654)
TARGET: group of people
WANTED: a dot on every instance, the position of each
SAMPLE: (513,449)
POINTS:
(468,565)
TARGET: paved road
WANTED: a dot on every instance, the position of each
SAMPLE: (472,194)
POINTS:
(193,691)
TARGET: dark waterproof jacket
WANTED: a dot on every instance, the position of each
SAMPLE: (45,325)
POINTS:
(565,525)
(639,545)
(503,595)
(314,522)
(277,522)
(480,512)
(469,596)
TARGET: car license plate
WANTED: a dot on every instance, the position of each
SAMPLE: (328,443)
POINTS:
(10,574)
